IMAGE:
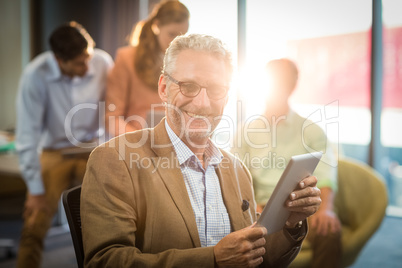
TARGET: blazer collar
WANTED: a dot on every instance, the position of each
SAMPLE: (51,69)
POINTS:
(231,194)
(168,168)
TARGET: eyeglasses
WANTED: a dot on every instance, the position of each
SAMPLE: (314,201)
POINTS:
(191,90)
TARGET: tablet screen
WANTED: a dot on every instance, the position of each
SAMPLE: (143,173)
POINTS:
(275,213)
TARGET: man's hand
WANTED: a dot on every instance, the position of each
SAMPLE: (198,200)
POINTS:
(304,201)
(35,203)
(325,221)
(243,248)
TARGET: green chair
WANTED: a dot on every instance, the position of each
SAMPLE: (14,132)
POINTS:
(360,203)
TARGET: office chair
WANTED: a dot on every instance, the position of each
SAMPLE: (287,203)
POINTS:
(360,204)
(71,202)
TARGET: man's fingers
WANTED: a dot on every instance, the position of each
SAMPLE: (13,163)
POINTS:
(243,248)
(256,262)
(260,243)
(308,181)
(257,253)
(303,205)
(306,192)
(256,233)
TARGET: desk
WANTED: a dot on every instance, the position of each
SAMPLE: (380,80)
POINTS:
(12,186)
(11,180)
(9,165)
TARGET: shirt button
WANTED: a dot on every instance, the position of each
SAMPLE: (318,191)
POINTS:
(210,207)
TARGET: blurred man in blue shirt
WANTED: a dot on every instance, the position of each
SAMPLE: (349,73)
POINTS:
(58,108)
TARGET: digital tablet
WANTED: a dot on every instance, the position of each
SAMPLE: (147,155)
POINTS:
(275,213)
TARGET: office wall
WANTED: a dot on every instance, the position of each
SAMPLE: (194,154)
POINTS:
(109,22)
(27,24)
(14,53)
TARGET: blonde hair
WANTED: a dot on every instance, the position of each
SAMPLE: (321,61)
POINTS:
(148,58)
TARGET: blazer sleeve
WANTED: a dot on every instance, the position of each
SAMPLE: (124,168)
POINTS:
(110,220)
(282,248)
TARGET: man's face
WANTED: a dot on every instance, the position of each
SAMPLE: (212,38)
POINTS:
(77,66)
(196,117)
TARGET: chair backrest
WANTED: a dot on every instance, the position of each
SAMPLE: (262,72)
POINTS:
(361,204)
(71,202)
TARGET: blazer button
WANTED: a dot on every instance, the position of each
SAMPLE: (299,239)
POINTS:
(245,205)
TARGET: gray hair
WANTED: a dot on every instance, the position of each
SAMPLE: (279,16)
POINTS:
(196,42)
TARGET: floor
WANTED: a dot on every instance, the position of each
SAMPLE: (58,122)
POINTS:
(383,250)
(58,250)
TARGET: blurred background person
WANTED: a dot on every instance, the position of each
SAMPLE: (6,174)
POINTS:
(57,109)
(273,139)
(132,85)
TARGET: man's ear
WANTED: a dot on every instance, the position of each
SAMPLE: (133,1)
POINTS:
(162,88)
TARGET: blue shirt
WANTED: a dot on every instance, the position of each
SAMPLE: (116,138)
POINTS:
(55,111)
(204,190)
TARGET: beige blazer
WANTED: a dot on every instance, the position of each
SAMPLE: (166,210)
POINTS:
(136,211)
(127,96)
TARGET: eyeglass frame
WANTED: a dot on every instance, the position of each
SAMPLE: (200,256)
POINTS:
(179,83)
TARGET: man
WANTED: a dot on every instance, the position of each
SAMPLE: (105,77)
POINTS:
(167,197)
(57,108)
(276,137)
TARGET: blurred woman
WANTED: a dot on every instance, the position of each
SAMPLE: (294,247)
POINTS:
(132,86)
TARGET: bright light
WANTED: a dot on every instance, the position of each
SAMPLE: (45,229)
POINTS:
(392,12)
(353,123)
(252,83)
(269,26)
(391,129)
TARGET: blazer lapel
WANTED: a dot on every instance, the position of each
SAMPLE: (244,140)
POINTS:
(232,198)
(168,168)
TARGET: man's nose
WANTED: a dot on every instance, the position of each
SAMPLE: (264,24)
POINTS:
(202,99)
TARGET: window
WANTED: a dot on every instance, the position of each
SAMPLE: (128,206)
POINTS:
(331,43)
(391,116)
(204,19)
(331,47)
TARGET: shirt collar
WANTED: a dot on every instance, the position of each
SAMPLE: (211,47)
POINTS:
(54,69)
(288,118)
(212,154)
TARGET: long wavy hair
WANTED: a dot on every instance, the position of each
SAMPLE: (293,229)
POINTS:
(149,56)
